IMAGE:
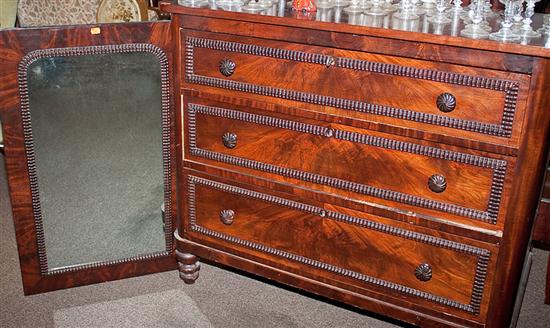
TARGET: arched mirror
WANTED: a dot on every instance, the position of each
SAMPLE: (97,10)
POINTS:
(88,135)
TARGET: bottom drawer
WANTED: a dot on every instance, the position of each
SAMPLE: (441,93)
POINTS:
(350,248)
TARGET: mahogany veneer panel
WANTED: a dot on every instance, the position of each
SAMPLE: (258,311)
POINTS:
(347,162)
(364,86)
(436,138)
(281,90)
(373,253)
(358,41)
(336,201)
(15,45)
(340,154)
(364,300)
(321,138)
(410,40)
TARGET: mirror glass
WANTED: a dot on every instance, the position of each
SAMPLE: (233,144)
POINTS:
(97,132)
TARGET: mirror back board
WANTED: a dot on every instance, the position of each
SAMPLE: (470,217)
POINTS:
(90,149)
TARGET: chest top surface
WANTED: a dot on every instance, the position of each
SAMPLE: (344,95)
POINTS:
(337,16)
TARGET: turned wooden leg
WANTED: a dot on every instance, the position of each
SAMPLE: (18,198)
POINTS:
(189,267)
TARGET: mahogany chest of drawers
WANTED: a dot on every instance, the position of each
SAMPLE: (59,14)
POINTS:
(398,172)
(392,175)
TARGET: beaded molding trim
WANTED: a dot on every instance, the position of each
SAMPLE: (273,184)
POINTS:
(166,104)
(498,166)
(482,255)
(100,264)
(510,88)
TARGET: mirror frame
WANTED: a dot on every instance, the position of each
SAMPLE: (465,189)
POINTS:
(18,49)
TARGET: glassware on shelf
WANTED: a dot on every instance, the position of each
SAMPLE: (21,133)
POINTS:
(376,8)
(476,29)
(484,23)
(264,3)
(440,17)
(354,17)
(466,12)
(405,19)
(324,4)
(455,22)
(389,7)
(193,3)
(281,8)
(486,11)
(324,14)
(438,28)
(375,15)
(271,11)
(340,3)
(365,4)
(526,29)
(455,14)
(338,14)
(405,11)
(457,8)
(545,40)
(417,7)
(506,32)
(517,17)
(231,3)
(354,8)
(489,12)
(545,29)
(253,7)
(428,4)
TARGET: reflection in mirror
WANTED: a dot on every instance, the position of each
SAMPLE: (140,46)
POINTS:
(96,124)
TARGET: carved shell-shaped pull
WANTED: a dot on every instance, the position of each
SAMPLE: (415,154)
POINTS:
(227,67)
(446,102)
(423,272)
(229,140)
(437,183)
(227,216)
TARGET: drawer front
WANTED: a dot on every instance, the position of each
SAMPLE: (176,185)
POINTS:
(355,250)
(380,88)
(381,168)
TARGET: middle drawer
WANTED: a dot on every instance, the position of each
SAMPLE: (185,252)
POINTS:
(362,164)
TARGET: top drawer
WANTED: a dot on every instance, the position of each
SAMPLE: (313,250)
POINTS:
(446,99)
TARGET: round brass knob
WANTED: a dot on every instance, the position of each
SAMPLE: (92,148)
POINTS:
(227,67)
(423,272)
(227,216)
(229,140)
(446,102)
(437,183)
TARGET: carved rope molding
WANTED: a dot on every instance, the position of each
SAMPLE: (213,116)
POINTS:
(498,166)
(510,88)
(483,255)
(166,101)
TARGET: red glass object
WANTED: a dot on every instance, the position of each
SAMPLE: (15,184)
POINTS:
(308,6)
